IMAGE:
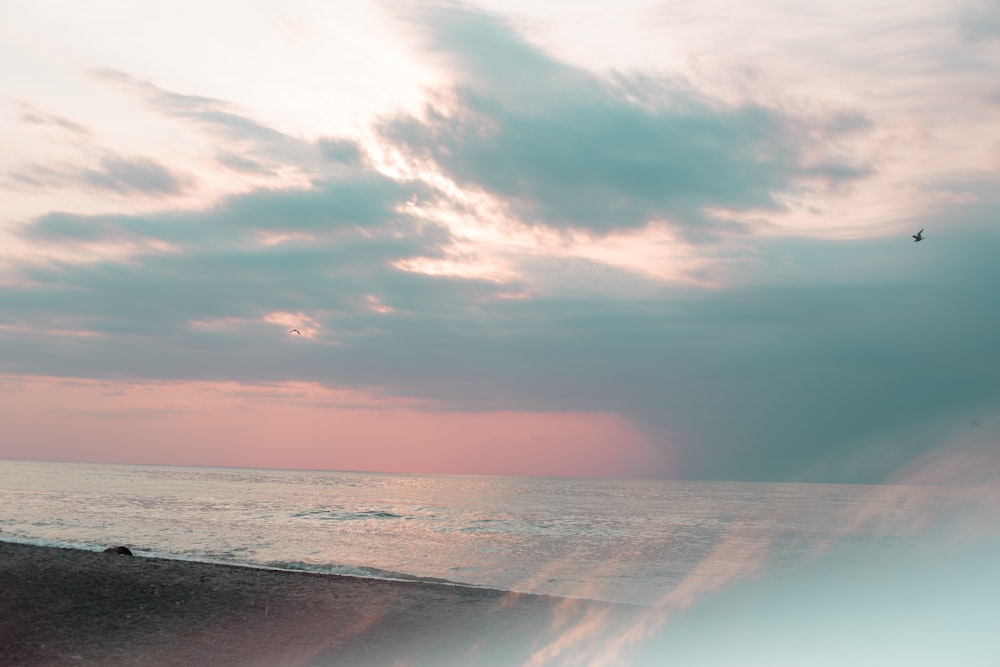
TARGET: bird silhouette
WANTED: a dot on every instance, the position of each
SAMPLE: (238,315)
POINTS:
(919,236)
(974,423)
(295,331)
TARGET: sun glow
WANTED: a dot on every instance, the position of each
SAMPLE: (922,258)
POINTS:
(301,322)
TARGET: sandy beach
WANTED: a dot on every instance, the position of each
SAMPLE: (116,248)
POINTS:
(72,607)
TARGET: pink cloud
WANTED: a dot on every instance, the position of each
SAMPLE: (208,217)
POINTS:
(299,425)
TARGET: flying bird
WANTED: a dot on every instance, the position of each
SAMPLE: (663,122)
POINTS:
(974,423)
(295,331)
(919,236)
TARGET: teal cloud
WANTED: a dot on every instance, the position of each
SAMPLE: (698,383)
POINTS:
(111,173)
(565,148)
(800,372)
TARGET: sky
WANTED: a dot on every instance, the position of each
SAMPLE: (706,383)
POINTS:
(632,239)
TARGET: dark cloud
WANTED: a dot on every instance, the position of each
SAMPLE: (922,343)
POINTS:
(568,149)
(836,361)
(837,377)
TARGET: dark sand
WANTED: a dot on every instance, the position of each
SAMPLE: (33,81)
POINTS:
(72,607)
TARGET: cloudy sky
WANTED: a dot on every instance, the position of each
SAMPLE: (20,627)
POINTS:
(663,239)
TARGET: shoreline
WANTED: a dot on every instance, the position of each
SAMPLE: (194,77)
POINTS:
(66,606)
(389,576)
(304,569)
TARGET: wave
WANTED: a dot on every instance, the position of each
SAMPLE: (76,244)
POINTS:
(357,571)
(344,515)
(506,526)
(56,544)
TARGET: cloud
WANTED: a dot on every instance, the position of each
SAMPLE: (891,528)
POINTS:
(810,358)
(832,377)
(568,149)
(125,175)
(113,173)
(340,150)
(242,163)
(327,250)
(980,21)
(367,200)
(834,361)
(244,136)
(34,116)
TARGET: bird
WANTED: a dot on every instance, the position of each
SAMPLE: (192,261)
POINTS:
(974,423)
(295,331)
(919,236)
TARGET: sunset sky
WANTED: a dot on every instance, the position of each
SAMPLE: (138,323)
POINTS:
(658,239)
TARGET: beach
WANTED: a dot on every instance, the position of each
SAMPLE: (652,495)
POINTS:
(76,607)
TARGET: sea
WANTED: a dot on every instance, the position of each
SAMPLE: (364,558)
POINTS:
(922,556)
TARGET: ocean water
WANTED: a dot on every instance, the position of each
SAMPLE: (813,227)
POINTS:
(638,541)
